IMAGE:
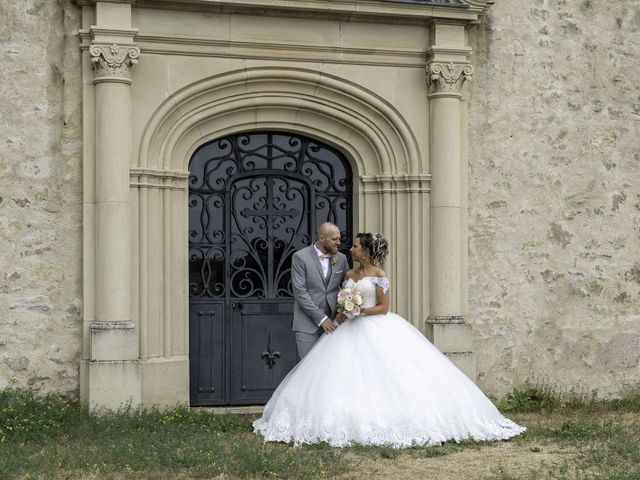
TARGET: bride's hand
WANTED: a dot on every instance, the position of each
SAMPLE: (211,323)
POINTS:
(328,326)
(340,318)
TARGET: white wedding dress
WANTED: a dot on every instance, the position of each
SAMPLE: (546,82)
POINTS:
(376,380)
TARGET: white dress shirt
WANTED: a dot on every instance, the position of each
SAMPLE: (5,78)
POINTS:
(324,260)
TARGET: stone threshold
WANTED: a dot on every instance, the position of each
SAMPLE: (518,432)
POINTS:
(238,410)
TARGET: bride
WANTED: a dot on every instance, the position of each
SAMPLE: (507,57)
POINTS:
(376,380)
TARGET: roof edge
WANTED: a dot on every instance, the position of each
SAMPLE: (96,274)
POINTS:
(394,11)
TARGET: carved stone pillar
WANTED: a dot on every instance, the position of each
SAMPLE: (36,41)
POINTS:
(113,155)
(114,370)
(445,325)
(444,82)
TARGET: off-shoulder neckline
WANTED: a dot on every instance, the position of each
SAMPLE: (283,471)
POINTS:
(366,276)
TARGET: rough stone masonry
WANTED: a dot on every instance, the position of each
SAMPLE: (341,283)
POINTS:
(40,194)
(554,198)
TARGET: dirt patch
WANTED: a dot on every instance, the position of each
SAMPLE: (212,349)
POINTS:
(516,457)
(483,462)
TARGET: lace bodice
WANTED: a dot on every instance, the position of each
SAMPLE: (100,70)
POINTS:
(367,288)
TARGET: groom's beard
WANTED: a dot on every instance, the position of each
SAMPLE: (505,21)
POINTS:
(331,249)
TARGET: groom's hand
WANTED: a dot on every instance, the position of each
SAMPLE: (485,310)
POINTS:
(328,326)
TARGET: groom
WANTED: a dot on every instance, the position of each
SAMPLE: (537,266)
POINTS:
(317,271)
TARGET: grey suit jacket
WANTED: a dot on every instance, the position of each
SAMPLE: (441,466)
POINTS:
(315,296)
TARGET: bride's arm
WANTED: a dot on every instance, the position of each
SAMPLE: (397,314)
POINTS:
(382,300)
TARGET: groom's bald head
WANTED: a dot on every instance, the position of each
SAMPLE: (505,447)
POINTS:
(327,229)
(328,237)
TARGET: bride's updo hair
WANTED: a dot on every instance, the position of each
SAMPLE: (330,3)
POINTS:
(375,245)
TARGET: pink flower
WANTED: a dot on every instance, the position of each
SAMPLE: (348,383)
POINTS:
(349,301)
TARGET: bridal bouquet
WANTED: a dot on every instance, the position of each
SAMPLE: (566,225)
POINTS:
(349,302)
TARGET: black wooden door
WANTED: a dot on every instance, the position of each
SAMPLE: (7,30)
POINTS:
(254,199)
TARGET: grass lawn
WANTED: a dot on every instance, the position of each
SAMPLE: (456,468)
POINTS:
(49,437)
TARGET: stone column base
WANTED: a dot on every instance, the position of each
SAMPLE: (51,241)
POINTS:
(455,340)
(111,384)
(465,361)
(113,341)
(165,381)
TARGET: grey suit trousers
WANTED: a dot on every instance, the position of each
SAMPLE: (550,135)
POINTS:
(305,342)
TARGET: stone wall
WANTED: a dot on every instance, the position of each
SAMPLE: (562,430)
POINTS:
(554,222)
(554,287)
(40,194)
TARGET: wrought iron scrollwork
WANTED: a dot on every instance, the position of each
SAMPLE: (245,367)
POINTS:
(254,199)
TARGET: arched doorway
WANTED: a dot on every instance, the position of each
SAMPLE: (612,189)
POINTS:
(390,194)
(254,199)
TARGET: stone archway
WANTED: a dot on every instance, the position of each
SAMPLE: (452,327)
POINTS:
(390,191)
